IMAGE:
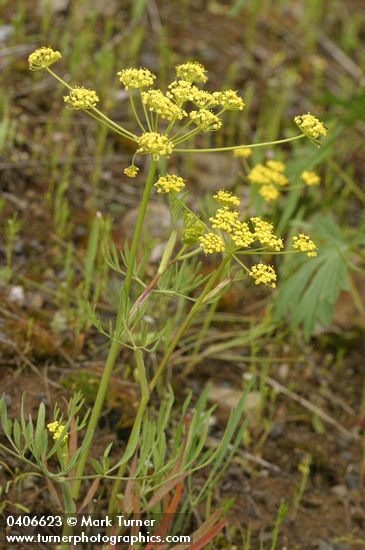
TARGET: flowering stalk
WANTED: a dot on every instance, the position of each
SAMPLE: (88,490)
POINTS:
(225,233)
(237,147)
(115,346)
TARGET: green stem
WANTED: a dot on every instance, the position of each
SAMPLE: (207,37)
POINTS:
(115,346)
(139,225)
(187,136)
(111,127)
(182,129)
(234,147)
(111,124)
(69,508)
(170,349)
(133,107)
(134,436)
(146,114)
(203,331)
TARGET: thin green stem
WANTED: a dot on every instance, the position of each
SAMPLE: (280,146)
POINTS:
(184,137)
(194,310)
(118,126)
(146,113)
(111,124)
(69,508)
(63,82)
(138,229)
(115,346)
(182,129)
(134,436)
(113,128)
(133,107)
(234,147)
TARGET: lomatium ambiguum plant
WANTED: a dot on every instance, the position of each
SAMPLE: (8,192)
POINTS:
(165,120)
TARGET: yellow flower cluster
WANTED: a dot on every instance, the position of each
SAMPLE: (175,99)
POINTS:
(43,58)
(136,78)
(56,429)
(242,236)
(168,183)
(211,243)
(268,176)
(81,98)
(311,127)
(227,198)
(271,172)
(304,243)
(269,192)
(276,165)
(193,229)
(180,91)
(192,71)
(229,100)
(131,171)
(310,178)
(263,274)
(243,153)
(156,101)
(154,144)
(225,219)
(205,120)
(202,99)
(263,232)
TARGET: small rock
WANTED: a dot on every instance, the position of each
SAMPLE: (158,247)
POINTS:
(52,6)
(213,171)
(42,398)
(323,545)
(157,221)
(17,295)
(352,478)
(340,491)
(277,430)
(5,32)
(8,400)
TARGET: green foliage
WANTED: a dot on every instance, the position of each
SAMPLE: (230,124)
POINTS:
(309,290)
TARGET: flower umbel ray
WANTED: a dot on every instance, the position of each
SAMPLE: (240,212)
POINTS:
(159,106)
